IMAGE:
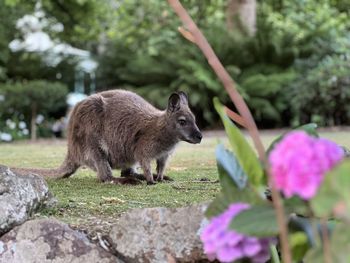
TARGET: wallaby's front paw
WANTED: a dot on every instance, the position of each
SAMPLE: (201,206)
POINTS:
(123,180)
(131,181)
(165,178)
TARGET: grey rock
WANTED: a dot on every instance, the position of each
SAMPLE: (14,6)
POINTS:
(160,235)
(20,197)
(48,240)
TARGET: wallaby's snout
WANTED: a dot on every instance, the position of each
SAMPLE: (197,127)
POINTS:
(197,137)
(191,134)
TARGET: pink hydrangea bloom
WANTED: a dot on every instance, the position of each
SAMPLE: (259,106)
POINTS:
(300,161)
(226,245)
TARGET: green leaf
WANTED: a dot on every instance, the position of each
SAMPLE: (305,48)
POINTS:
(274,254)
(217,206)
(304,224)
(296,205)
(339,247)
(233,182)
(340,244)
(314,255)
(310,226)
(230,172)
(258,221)
(309,128)
(244,153)
(224,200)
(333,197)
(299,245)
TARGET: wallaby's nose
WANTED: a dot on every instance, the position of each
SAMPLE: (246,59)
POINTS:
(198,136)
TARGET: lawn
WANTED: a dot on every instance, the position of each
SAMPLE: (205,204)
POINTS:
(86,204)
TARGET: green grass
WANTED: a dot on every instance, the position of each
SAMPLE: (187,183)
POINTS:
(85,203)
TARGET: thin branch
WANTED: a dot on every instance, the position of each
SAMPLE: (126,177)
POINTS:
(186,34)
(235,117)
(242,108)
(222,74)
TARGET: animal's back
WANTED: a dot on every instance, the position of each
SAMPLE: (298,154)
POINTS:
(119,103)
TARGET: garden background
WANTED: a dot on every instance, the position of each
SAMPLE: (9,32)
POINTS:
(290,59)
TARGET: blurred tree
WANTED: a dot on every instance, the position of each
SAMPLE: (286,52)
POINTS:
(138,48)
(8,18)
(32,98)
(321,38)
(341,5)
(25,65)
(145,53)
(154,59)
(83,20)
(241,13)
(326,98)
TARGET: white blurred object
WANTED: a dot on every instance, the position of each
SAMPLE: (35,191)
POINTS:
(6,137)
(74,98)
(10,124)
(35,39)
(25,131)
(39,119)
(22,125)
(34,42)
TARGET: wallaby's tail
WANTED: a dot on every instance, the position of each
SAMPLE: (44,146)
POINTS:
(66,169)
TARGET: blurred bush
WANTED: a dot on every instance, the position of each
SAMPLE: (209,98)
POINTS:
(322,94)
(31,102)
(293,70)
(279,71)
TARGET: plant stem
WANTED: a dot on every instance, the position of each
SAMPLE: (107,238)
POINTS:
(274,255)
(193,33)
(325,240)
(235,117)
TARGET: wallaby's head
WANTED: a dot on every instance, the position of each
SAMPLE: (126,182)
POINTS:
(181,119)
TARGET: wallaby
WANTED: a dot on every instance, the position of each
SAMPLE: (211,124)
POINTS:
(117,129)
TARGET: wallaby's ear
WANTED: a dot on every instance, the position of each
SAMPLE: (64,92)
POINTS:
(183,96)
(176,99)
(174,102)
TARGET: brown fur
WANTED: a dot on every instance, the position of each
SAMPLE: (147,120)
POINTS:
(117,129)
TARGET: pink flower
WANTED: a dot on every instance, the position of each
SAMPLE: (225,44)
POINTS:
(227,245)
(299,163)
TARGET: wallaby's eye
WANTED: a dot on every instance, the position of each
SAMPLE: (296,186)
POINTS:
(182,122)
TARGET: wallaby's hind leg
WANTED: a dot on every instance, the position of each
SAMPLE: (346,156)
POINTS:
(104,170)
(68,168)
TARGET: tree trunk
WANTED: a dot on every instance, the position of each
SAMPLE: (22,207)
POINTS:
(33,122)
(241,13)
